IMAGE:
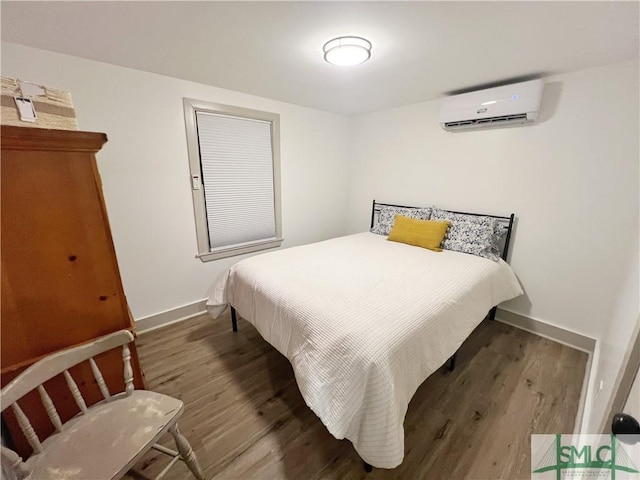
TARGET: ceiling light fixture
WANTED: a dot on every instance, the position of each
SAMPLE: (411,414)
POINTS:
(347,51)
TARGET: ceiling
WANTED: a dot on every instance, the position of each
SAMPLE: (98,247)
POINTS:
(421,50)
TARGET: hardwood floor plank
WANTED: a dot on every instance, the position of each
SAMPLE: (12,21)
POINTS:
(246,419)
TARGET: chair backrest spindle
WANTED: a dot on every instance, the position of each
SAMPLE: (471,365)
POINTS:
(26,428)
(128,371)
(99,379)
(50,408)
(75,391)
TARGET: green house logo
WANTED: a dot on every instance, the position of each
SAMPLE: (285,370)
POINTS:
(586,456)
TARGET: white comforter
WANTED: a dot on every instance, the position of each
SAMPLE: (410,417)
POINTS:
(364,321)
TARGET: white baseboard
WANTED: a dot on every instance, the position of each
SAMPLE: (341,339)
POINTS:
(168,317)
(546,330)
(588,389)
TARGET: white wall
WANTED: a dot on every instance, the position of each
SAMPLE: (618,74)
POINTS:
(145,170)
(571,179)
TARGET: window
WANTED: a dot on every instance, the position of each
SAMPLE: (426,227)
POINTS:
(234,156)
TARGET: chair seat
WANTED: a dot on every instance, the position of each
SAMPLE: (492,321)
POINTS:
(106,441)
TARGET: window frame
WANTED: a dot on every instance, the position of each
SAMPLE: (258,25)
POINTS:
(191,106)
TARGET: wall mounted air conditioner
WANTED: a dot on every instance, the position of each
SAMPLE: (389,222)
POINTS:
(494,107)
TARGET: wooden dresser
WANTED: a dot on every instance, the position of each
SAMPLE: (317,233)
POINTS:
(60,280)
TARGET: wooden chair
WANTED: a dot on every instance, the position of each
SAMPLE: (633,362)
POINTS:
(104,440)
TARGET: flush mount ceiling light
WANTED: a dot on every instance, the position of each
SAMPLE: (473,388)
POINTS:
(347,51)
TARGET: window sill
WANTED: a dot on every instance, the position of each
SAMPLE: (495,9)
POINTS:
(240,250)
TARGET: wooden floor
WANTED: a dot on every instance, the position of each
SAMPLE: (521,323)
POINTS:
(246,419)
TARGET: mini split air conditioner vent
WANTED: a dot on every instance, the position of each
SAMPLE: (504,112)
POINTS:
(495,107)
(504,119)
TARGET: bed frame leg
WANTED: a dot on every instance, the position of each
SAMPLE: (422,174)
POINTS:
(234,320)
(492,313)
(452,362)
(367,468)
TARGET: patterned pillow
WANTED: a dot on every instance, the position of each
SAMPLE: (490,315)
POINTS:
(388,214)
(477,235)
(499,232)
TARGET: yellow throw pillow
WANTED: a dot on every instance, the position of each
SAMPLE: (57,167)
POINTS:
(421,233)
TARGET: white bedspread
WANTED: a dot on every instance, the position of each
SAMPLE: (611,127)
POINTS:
(364,321)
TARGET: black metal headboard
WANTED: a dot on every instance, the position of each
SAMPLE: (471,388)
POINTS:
(506,221)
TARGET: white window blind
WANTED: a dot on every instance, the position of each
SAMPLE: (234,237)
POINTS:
(236,160)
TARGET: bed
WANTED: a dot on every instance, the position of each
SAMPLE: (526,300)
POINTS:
(364,321)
